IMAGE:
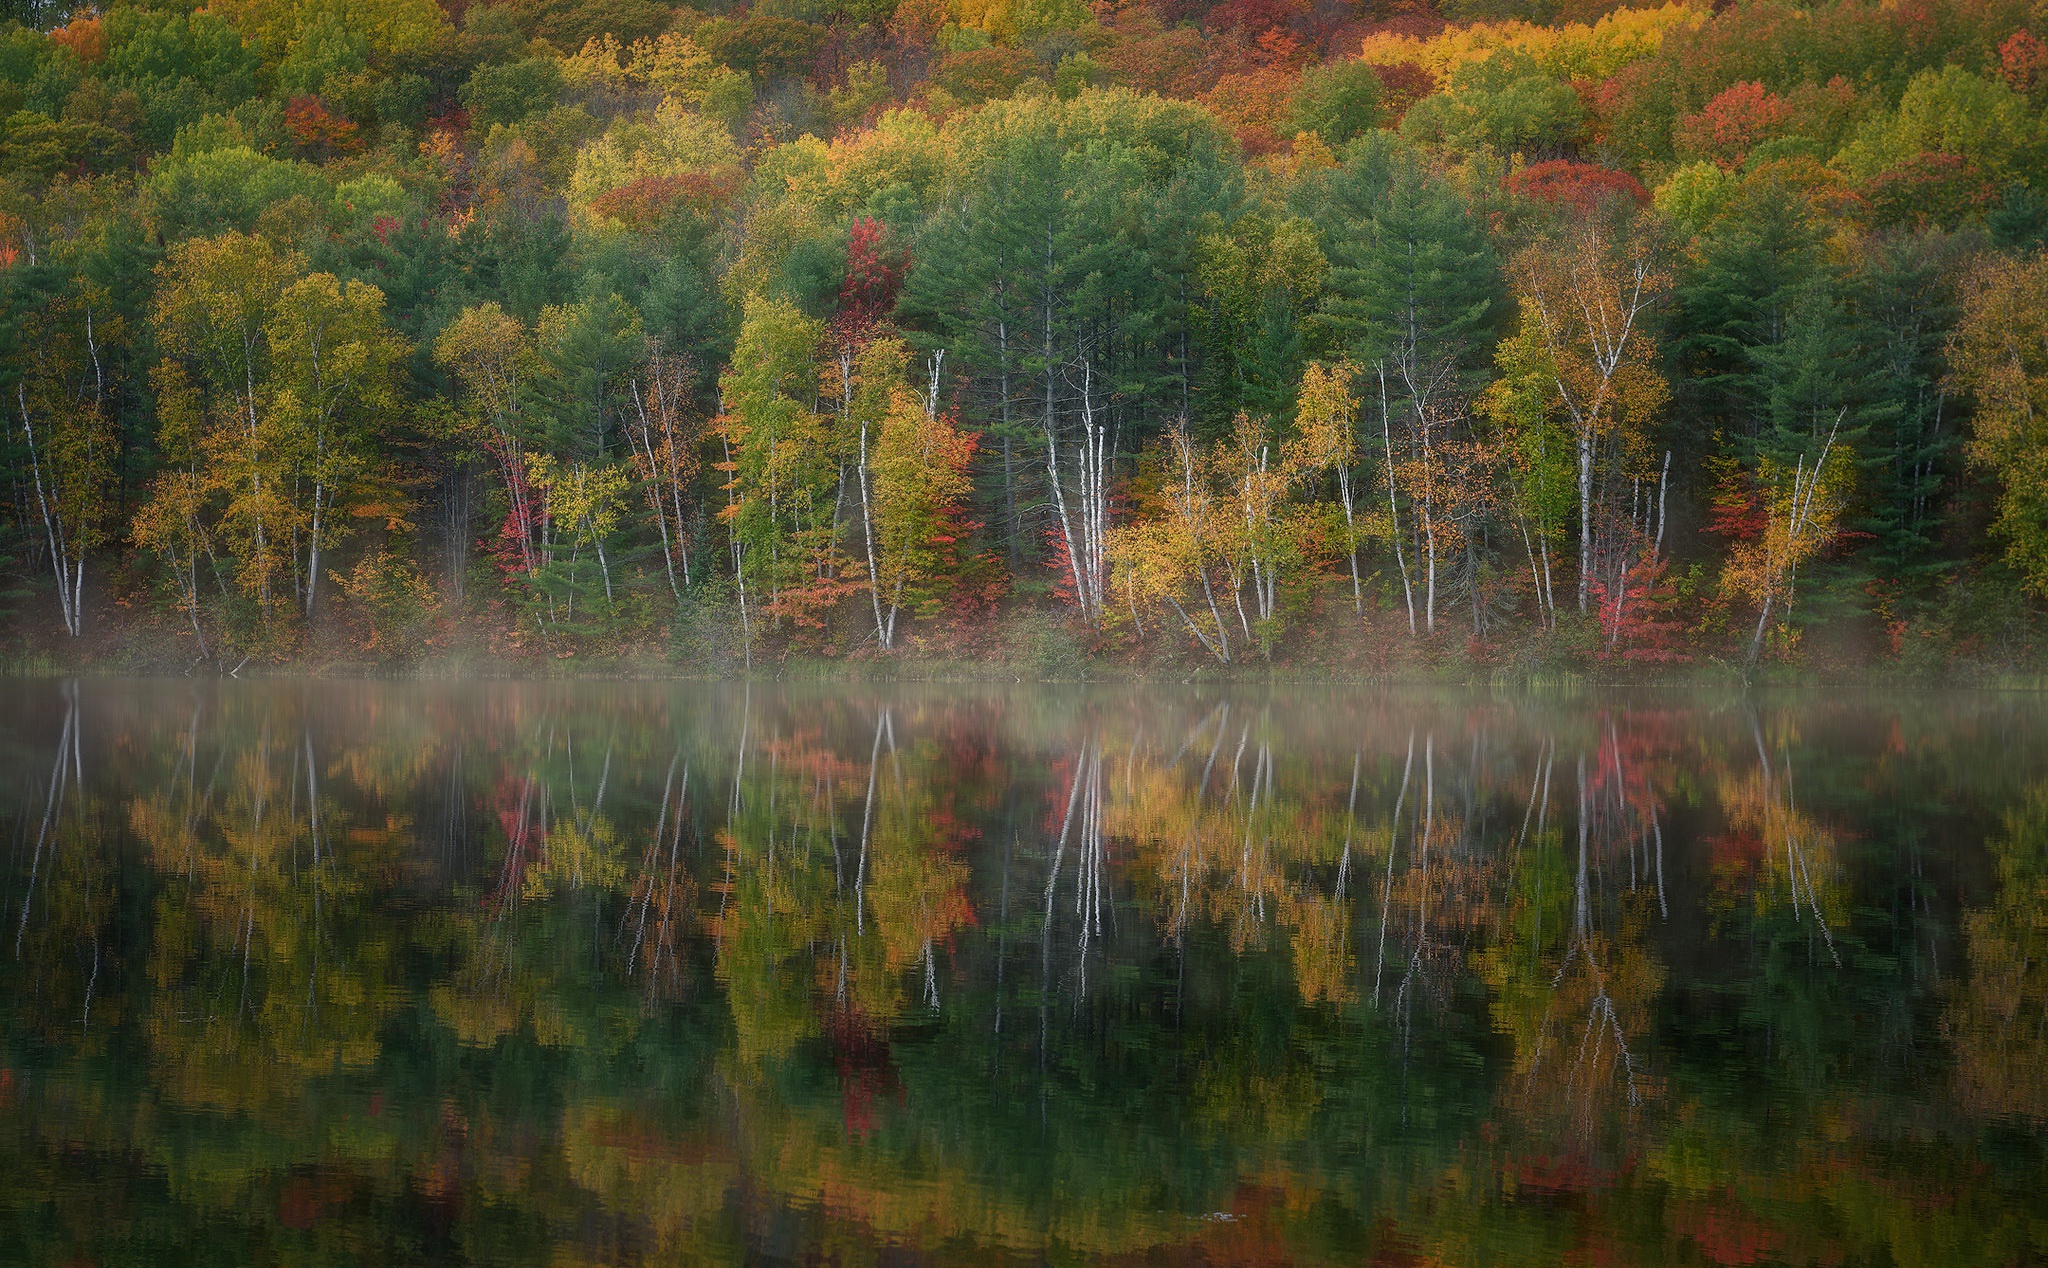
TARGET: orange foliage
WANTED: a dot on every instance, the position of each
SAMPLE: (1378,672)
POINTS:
(2023,61)
(1582,185)
(1732,123)
(645,203)
(1252,99)
(85,37)
(1928,190)
(316,130)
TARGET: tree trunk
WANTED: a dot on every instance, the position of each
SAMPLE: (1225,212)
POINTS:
(1393,504)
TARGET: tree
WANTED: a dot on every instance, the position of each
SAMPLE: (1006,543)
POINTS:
(1412,293)
(783,515)
(1325,419)
(1802,507)
(1162,558)
(171,522)
(333,360)
(665,444)
(60,409)
(491,355)
(1999,354)
(920,480)
(1584,345)
(216,302)
(1337,101)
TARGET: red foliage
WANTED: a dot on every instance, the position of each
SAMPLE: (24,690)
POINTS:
(874,273)
(1733,123)
(384,227)
(1726,1234)
(513,801)
(1172,63)
(1566,182)
(305,1199)
(1737,510)
(1637,619)
(1401,86)
(522,521)
(867,1068)
(1736,851)
(1571,1173)
(1251,17)
(317,131)
(643,204)
(915,24)
(1927,190)
(2023,61)
(1257,141)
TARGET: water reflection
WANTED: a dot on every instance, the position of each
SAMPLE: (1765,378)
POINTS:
(549,973)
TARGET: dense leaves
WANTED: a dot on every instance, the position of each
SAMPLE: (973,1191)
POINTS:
(641,331)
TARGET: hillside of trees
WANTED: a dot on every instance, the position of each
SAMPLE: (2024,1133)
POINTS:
(1505,334)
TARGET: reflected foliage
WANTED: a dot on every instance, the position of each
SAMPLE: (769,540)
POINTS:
(587,973)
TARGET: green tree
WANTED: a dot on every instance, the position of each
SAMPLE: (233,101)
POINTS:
(1413,294)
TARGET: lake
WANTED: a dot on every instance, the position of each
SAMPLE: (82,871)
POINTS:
(558,973)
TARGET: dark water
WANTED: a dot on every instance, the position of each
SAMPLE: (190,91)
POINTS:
(364,973)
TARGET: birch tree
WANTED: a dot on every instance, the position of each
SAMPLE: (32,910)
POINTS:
(69,443)
(1586,345)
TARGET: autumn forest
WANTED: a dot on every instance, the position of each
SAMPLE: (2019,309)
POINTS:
(1484,335)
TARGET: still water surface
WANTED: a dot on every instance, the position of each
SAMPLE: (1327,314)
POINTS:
(545,973)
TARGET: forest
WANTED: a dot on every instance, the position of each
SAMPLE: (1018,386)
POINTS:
(1490,335)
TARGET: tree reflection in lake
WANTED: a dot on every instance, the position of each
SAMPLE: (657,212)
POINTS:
(592,973)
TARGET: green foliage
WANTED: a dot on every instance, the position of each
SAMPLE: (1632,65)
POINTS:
(1951,112)
(510,91)
(1504,103)
(225,188)
(1337,101)
(182,67)
(1410,263)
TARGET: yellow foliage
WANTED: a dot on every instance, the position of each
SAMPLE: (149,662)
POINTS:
(390,26)
(1571,50)
(675,141)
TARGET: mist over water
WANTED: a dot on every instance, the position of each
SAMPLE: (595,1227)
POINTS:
(581,973)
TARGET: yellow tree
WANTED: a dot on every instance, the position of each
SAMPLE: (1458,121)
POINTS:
(1999,354)
(69,442)
(584,497)
(1803,506)
(785,464)
(215,301)
(1325,418)
(666,439)
(870,376)
(1584,346)
(1165,557)
(1262,540)
(170,523)
(332,364)
(491,354)
(920,479)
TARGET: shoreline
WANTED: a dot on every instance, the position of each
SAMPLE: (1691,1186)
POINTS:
(817,671)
